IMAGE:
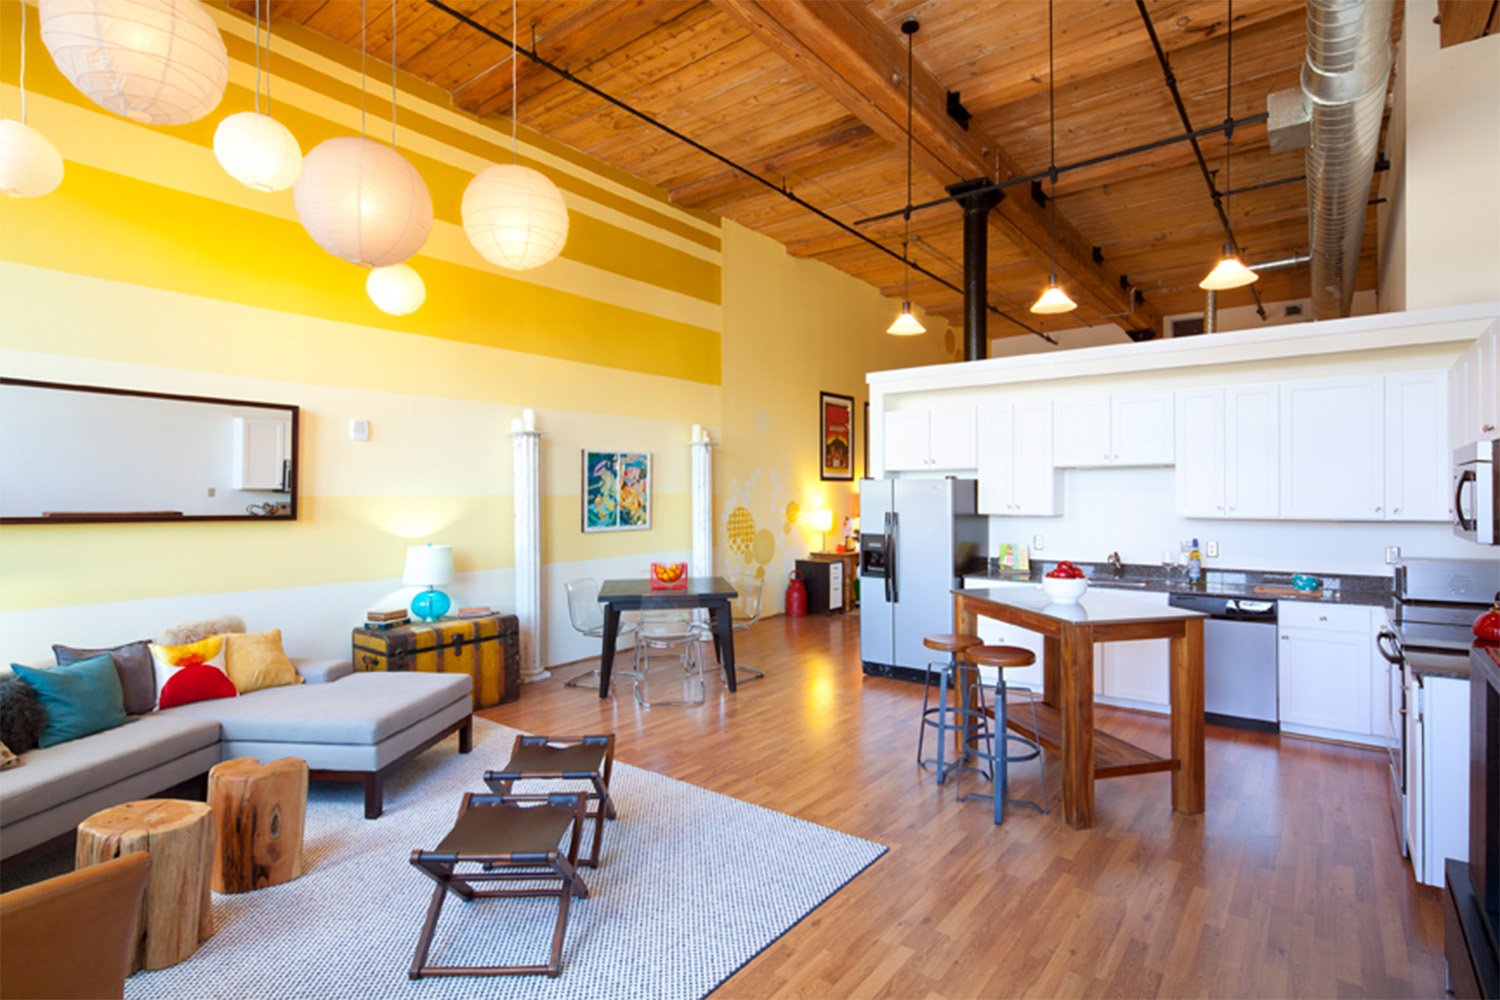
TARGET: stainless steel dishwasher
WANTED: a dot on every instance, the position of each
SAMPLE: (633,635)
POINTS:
(1239,660)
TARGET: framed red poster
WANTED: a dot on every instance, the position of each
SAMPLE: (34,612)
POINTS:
(836,441)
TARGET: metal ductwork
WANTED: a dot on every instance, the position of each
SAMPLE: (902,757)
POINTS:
(1344,80)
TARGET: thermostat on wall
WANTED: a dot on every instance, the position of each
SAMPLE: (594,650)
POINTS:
(359,430)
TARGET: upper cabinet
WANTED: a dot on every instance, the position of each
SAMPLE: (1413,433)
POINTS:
(1474,391)
(1228,451)
(1016,475)
(930,440)
(1416,447)
(1333,449)
(1133,428)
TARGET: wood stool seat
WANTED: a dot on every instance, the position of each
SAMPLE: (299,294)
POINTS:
(999,656)
(944,718)
(947,642)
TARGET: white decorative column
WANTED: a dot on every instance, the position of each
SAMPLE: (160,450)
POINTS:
(703,503)
(526,488)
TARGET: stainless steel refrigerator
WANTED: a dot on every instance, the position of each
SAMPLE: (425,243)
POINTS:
(917,537)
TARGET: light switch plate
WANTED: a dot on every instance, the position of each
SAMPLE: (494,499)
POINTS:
(359,430)
(1211,549)
(1036,543)
(1392,553)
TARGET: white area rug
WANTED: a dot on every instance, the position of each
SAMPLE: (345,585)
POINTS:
(692,885)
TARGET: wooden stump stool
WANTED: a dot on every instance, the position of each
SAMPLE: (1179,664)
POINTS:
(259,810)
(177,909)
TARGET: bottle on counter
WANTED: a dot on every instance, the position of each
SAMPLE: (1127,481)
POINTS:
(1195,564)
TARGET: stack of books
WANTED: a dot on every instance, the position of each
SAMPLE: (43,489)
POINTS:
(386,619)
(476,612)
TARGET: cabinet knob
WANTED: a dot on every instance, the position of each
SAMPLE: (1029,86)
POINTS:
(1322,618)
(1377,510)
(1395,510)
(1489,427)
(1284,637)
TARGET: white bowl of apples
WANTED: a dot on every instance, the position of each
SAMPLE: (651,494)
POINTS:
(1065,584)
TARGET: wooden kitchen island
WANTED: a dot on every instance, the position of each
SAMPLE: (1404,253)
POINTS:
(1066,716)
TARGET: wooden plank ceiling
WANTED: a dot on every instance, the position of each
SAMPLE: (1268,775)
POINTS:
(811,94)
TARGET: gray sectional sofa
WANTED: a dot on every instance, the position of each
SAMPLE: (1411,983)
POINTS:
(348,727)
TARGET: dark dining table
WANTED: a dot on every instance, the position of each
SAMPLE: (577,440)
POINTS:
(710,592)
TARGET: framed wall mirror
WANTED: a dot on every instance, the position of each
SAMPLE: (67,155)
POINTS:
(89,454)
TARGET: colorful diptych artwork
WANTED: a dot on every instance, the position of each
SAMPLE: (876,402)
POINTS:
(616,490)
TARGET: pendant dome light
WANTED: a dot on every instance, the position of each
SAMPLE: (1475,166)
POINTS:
(30,166)
(158,62)
(397,289)
(1054,301)
(1229,272)
(514,215)
(256,149)
(906,324)
(360,200)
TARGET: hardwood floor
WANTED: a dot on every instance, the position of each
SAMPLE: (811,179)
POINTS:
(1290,885)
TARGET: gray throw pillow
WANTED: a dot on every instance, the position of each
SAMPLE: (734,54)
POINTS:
(134,665)
(22,717)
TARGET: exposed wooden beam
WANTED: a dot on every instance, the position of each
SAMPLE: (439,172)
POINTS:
(850,54)
(1466,20)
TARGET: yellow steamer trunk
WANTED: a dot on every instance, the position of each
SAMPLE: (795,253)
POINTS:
(486,648)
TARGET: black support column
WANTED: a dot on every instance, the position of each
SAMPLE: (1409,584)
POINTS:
(976,203)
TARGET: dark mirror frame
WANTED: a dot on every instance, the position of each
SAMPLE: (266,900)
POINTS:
(112,517)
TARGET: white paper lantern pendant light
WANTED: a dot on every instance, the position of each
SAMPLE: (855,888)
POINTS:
(514,215)
(30,166)
(158,62)
(254,148)
(397,289)
(359,199)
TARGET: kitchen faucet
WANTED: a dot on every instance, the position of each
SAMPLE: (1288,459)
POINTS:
(1115,565)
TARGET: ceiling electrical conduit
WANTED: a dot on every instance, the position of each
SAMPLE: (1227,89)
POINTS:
(1344,82)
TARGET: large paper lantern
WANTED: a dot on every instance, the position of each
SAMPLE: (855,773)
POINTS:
(258,151)
(30,166)
(362,201)
(397,289)
(160,62)
(514,216)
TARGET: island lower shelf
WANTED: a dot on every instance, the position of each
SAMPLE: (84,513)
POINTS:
(1113,757)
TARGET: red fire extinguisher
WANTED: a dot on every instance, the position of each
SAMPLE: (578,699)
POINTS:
(796,597)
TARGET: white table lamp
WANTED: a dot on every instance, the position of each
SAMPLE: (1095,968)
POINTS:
(429,566)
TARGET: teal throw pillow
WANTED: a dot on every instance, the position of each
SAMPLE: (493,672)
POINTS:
(79,699)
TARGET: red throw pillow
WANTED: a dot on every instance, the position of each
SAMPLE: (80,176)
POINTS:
(195,682)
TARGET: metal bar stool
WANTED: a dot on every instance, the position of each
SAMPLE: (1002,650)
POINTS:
(949,719)
(1001,658)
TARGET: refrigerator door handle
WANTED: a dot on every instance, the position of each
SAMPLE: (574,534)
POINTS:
(886,544)
(893,568)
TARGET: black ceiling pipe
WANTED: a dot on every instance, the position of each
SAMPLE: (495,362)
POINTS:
(977,198)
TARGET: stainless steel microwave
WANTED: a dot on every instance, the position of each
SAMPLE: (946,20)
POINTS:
(1476,493)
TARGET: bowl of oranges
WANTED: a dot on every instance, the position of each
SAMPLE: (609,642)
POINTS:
(668,576)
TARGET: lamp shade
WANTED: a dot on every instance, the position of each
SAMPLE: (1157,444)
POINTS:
(1228,273)
(514,216)
(1053,301)
(258,151)
(906,324)
(362,201)
(158,62)
(397,289)
(428,566)
(820,520)
(30,166)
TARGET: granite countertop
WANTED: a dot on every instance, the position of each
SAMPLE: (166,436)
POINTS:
(1337,589)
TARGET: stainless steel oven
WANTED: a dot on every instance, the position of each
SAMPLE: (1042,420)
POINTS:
(1429,624)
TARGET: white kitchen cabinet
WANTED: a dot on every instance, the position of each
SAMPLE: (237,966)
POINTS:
(1474,391)
(1437,801)
(1016,475)
(995,633)
(1333,449)
(1417,456)
(1133,428)
(1227,451)
(1323,664)
(930,440)
(262,449)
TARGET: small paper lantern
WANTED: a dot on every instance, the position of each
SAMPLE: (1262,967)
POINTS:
(159,62)
(514,216)
(397,289)
(362,201)
(30,166)
(258,151)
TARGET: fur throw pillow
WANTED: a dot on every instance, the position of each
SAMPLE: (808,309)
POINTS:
(187,633)
(22,717)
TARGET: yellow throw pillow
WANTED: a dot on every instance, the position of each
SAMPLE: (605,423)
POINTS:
(254,660)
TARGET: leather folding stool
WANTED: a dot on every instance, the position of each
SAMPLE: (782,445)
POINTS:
(510,838)
(564,758)
(948,719)
(998,741)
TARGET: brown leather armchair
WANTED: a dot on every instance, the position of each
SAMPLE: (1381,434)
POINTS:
(71,936)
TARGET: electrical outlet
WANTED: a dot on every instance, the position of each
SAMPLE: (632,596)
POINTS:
(1392,553)
(1036,543)
(213,492)
(1211,549)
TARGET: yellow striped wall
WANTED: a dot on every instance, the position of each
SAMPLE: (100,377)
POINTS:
(150,268)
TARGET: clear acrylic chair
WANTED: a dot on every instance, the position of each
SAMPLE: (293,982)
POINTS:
(587,616)
(746,608)
(675,679)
